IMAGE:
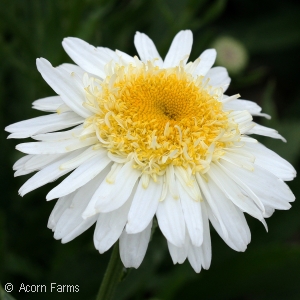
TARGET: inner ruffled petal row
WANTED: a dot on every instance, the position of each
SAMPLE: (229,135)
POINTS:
(159,117)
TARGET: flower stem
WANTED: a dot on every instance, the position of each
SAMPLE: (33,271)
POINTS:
(113,275)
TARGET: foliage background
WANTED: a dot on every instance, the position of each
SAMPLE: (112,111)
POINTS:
(269,30)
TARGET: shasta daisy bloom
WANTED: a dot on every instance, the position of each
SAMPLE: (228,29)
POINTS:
(150,138)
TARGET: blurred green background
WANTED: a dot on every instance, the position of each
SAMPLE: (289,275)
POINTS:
(264,33)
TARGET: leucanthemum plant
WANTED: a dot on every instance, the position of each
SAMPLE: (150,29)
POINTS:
(150,138)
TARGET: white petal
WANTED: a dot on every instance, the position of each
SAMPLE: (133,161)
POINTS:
(271,161)
(110,226)
(272,191)
(79,229)
(91,207)
(37,162)
(218,78)
(105,189)
(171,220)
(211,202)
(133,247)
(43,124)
(188,183)
(20,163)
(146,48)
(207,59)
(125,58)
(82,175)
(237,234)
(180,49)
(59,136)
(233,219)
(252,107)
(179,254)
(47,174)
(266,131)
(71,68)
(123,187)
(234,193)
(49,104)
(111,55)
(71,223)
(66,85)
(64,146)
(87,56)
(144,206)
(206,245)
(192,215)
(60,206)
(195,257)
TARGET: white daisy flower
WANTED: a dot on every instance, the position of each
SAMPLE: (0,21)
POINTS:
(150,138)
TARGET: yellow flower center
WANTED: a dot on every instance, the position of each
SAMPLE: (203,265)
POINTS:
(158,117)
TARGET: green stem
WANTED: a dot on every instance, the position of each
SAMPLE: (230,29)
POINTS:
(112,276)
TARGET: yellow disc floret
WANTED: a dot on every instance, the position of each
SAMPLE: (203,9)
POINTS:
(158,117)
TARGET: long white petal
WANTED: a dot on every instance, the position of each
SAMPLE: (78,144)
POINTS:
(37,162)
(271,161)
(60,206)
(239,104)
(180,49)
(146,48)
(49,104)
(110,226)
(47,174)
(218,78)
(64,146)
(144,206)
(272,191)
(123,187)
(66,85)
(43,124)
(171,220)
(87,56)
(207,59)
(192,215)
(59,136)
(211,202)
(71,223)
(179,254)
(82,175)
(206,245)
(265,131)
(133,247)
(237,233)
(235,194)
(195,258)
